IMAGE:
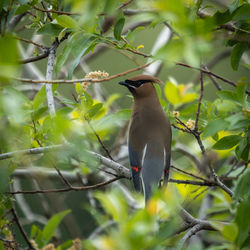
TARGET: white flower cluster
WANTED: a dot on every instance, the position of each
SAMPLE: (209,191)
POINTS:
(176,114)
(94,75)
(190,124)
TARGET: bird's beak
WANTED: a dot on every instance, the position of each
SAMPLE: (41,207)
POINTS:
(123,83)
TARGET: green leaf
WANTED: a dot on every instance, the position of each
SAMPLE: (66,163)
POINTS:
(222,17)
(240,90)
(8,56)
(242,220)
(38,113)
(4,178)
(86,47)
(227,142)
(241,124)
(171,51)
(88,99)
(229,231)
(131,35)
(36,233)
(95,109)
(242,13)
(66,245)
(189,97)
(66,21)
(172,93)
(22,8)
(114,204)
(79,88)
(62,58)
(242,189)
(118,28)
(233,5)
(69,47)
(227,95)
(213,127)
(237,121)
(50,29)
(236,54)
(39,98)
(51,226)
(244,154)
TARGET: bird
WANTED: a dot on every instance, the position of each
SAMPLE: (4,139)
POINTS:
(149,136)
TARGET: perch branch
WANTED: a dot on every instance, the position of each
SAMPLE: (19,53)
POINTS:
(71,188)
(85,79)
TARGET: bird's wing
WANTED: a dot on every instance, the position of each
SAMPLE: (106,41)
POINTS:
(153,166)
(135,158)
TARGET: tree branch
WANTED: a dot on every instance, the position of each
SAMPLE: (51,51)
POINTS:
(85,79)
(35,58)
(210,73)
(199,103)
(196,134)
(195,224)
(49,76)
(30,42)
(59,12)
(30,151)
(21,229)
(190,174)
(71,188)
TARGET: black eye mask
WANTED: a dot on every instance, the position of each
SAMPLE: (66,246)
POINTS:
(135,84)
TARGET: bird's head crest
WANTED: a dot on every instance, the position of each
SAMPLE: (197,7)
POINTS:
(138,85)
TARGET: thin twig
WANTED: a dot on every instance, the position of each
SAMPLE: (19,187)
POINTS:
(85,79)
(48,14)
(227,26)
(216,84)
(100,141)
(190,174)
(29,41)
(210,73)
(192,157)
(62,177)
(199,103)
(187,129)
(181,129)
(81,188)
(59,12)
(31,151)
(195,183)
(35,58)
(21,228)
(125,4)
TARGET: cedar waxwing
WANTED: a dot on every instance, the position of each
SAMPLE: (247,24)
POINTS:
(150,136)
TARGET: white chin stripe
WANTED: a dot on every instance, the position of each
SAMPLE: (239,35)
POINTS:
(131,86)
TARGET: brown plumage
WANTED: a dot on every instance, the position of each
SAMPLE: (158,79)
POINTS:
(149,134)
